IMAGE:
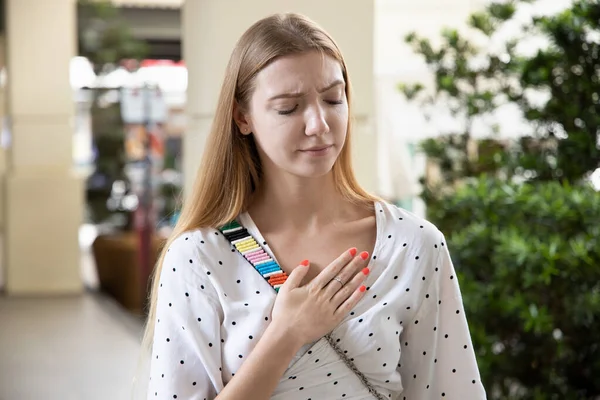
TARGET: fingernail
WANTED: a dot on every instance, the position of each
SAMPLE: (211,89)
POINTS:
(363,288)
(305,263)
(353,251)
(364,255)
(366,271)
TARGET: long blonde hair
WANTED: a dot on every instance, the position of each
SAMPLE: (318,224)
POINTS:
(230,171)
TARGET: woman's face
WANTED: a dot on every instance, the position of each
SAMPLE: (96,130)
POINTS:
(298,114)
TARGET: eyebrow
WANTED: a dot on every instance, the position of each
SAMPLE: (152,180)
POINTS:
(299,94)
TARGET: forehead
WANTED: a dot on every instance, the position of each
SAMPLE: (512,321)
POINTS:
(298,73)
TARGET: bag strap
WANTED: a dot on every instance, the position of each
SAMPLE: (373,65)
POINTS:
(255,254)
(268,268)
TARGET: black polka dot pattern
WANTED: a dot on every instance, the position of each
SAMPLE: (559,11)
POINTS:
(409,332)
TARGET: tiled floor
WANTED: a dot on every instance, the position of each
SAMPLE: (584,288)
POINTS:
(70,348)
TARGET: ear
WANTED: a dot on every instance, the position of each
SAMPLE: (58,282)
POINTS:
(241,119)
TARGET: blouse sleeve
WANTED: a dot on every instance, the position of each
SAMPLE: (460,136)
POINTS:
(437,357)
(186,352)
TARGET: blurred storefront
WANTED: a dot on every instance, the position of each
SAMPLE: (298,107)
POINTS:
(157,22)
(46,135)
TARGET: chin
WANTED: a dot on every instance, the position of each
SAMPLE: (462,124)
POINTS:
(306,167)
(312,171)
(313,167)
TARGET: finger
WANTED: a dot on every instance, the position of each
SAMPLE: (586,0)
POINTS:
(351,302)
(333,269)
(344,293)
(346,274)
(295,277)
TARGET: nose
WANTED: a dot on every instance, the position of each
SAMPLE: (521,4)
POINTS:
(316,123)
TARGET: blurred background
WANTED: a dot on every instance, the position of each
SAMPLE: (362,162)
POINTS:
(482,116)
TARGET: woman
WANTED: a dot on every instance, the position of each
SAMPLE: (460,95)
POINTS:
(373,311)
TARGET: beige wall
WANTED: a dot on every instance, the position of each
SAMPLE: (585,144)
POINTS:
(43,200)
(211,29)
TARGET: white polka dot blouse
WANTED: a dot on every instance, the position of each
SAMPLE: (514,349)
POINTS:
(408,335)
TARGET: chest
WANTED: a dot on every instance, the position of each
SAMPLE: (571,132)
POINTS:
(320,248)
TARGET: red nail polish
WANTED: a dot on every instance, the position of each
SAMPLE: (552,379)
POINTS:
(305,263)
(353,251)
(363,288)
(366,271)
(364,255)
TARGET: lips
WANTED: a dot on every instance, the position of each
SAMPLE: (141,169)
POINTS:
(318,148)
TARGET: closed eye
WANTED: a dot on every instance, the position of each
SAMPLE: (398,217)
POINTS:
(291,110)
(287,112)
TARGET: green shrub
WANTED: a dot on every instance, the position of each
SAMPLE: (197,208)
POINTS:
(528,259)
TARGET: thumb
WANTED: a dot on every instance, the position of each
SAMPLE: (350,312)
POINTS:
(295,277)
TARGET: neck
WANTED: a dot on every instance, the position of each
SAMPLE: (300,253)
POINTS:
(299,203)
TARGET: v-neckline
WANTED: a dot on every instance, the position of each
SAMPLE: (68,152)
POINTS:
(246,220)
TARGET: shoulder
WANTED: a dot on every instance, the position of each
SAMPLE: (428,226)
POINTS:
(200,244)
(184,284)
(191,253)
(408,224)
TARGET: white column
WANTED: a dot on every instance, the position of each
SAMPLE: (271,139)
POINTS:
(210,31)
(43,199)
(2,150)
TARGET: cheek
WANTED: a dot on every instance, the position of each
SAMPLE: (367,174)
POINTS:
(277,131)
(339,121)
(271,138)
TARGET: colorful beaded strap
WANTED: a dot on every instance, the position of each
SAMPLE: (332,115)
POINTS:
(254,253)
